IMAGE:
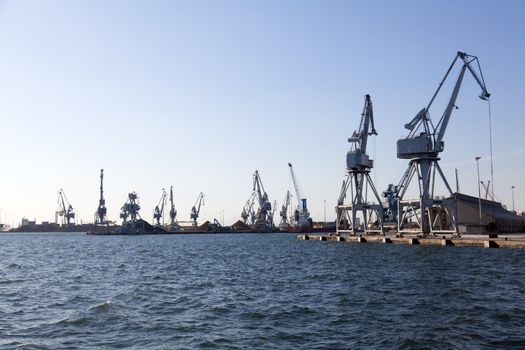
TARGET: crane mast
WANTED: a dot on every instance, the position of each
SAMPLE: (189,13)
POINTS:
(158,212)
(100,214)
(65,209)
(422,147)
(359,182)
(302,215)
(195,210)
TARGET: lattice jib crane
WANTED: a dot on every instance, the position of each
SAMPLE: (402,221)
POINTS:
(422,147)
(195,210)
(65,209)
(158,212)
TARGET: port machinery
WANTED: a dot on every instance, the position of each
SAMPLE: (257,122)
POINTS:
(196,209)
(130,210)
(301,216)
(422,147)
(285,222)
(65,209)
(158,212)
(359,182)
(174,225)
(264,216)
(248,214)
(101,213)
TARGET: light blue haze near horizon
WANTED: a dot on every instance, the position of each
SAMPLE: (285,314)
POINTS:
(200,94)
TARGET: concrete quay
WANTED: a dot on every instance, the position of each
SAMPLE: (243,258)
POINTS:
(518,241)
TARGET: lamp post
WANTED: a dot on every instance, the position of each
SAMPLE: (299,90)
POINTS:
(513,187)
(479,190)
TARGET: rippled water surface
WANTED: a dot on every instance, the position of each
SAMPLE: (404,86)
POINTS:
(264,291)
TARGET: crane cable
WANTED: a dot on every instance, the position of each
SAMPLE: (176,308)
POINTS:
(491,160)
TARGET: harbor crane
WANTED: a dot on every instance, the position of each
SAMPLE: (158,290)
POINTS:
(130,209)
(285,223)
(358,180)
(264,216)
(100,214)
(65,209)
(247,211)
(196,209)
(158,212)
(422,147)
(173,212)
(301,215)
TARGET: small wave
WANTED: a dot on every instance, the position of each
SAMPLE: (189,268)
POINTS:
(73,321)
(104,307)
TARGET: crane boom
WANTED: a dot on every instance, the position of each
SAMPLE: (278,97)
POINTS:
(302,201)
(357,158)
(426,140)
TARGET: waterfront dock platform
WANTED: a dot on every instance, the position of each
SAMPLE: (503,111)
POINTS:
(484,241)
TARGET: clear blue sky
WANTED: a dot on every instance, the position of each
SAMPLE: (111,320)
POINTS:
(200,94)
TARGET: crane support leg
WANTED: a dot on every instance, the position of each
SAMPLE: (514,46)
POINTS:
(359,183)
(428,214)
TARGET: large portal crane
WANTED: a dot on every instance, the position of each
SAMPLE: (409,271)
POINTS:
(358,180)
(100,214)
(285,223)
(264,220)
(196,209)
(302,215)
(247,210)
(422,146)
(65,209)
(158,212)
(173,212)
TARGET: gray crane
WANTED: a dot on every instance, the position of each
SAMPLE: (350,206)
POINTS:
(301,214)
(264,220)
(285,223)
(422,147)
(196,209)
(358,180)
(100,214)
(173,212)
(65,209)
(247,210)
(158,212)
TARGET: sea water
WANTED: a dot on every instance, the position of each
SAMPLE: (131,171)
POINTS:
(255,291)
